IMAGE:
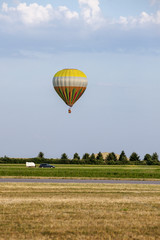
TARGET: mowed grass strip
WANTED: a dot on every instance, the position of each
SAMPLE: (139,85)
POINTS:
(79,211)
(86,171)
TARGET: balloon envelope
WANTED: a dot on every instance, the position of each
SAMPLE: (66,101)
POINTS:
(70,84)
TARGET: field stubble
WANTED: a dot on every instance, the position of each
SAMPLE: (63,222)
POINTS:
(79,211)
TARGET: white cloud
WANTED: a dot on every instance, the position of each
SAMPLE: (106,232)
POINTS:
(123,20)
(34,14)
(146,18)
(91,12)
(67,13)
(153,2)
(143,20)
(34,27)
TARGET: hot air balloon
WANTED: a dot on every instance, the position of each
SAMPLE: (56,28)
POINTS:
(70,84)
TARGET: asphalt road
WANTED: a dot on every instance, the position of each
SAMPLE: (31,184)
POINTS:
(36,180)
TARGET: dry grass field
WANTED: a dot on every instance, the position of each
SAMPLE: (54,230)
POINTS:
(79,211)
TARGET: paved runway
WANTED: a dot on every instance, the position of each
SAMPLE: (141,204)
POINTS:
(36,180)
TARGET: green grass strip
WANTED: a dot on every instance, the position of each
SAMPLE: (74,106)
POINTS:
(71,171)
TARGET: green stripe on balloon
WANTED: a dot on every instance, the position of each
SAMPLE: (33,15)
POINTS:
(74,97)
(62,94)
(65,97)
(73,93)
(67,94)
(78,95)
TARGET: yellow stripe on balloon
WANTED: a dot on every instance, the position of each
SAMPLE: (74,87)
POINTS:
(70,73)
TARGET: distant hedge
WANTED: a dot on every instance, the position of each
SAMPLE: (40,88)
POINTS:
(24,160)
(7,160)
(47,160)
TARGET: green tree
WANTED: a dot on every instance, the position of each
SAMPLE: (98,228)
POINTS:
(76,156)
(155,158)
(64,156)
(134,157)
(41,155)
(111,157)
(86,156)
(99,156)
(92,157)
(148,159)
(123,158)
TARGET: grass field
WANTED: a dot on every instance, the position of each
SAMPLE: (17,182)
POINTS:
(79,211)
(85,171)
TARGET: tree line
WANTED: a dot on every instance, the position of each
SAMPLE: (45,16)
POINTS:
(98,159)
(112,159)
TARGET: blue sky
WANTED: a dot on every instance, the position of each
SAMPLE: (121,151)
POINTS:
(117,45)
